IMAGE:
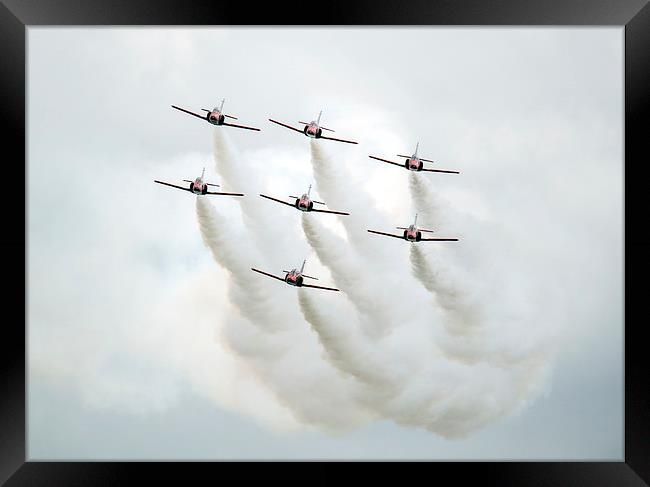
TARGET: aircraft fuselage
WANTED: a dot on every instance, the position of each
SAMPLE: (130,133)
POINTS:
(304,203)
(198,186)
(413,164)
(215,117)
(312,130)
(411,234)
(293,278)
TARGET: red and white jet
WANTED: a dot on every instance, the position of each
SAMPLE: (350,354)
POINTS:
(198,186)
(295,277)
(304,203)
(216,116)
(313,129)
(413,162)
(414,234)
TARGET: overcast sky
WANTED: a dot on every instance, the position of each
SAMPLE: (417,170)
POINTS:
(138,346)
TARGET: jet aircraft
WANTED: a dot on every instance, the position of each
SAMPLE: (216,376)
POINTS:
(414,234)
(198,186)
(295,277)
(313,129)
(216,116)
(304,203)
(413,162)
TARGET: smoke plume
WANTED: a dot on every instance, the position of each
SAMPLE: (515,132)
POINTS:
(432,357)
(314,392)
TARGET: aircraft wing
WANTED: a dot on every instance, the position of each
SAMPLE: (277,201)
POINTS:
(384,160)
(320,287)
(173,185)
(267,274)
(438,240)
(338,140)
(188,112)
(240,126)
(224,194)
(330,211)
(275,199)
(285,125)
(440,170)
(387,234)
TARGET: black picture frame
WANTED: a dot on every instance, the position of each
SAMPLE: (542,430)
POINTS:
(633,15)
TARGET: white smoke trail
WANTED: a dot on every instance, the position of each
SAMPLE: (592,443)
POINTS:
(347,271)
(271,344)
(371,294)
(279,343)
(239,175)
(444,397)
(461,349)
(248,294)
(389,363)
(345,349)
(466,339)
(427,205)
(463,316)
(474,332)
(383,390)
(334,185)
